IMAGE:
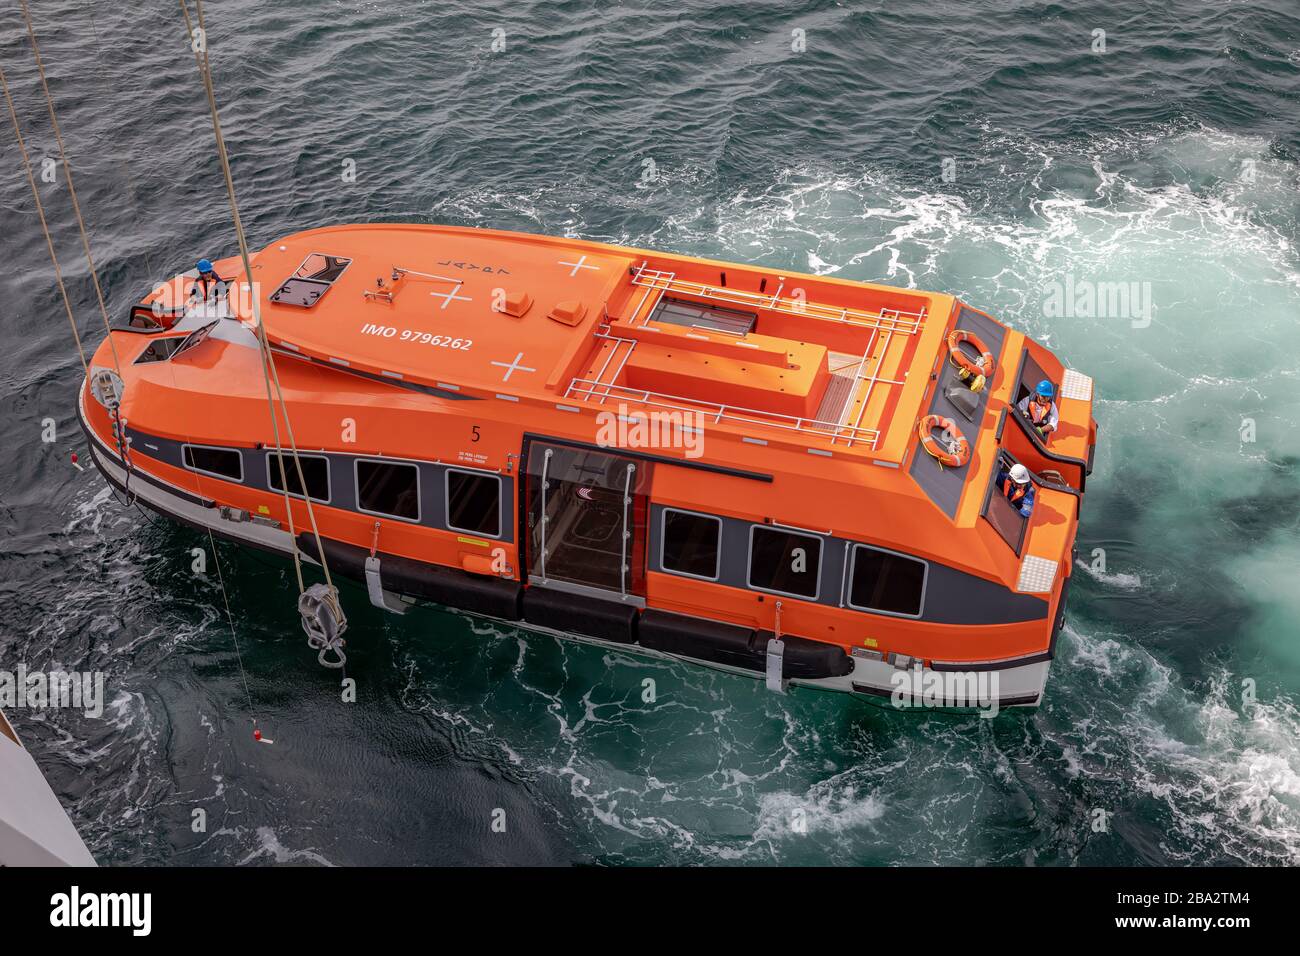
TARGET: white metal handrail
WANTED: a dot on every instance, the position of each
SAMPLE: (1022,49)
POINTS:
(654,280)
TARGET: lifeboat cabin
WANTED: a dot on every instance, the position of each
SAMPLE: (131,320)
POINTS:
(799,478)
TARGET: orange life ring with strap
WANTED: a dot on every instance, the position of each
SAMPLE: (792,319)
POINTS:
(975,372)
(957,451)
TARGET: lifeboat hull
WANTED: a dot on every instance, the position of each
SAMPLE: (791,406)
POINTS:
(701,461)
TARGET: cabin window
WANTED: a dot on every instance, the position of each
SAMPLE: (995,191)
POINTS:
(690,544)
(315,471)
(142,317)
(159,350)
(389,488)
(784,562)
(474,502)
(218,462)
(886,581)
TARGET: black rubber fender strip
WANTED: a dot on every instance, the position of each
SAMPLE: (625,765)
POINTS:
(807,658)
(579,614)
(451,587)
(738,646)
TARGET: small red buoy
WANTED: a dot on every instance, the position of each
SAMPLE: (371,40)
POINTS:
(74,457)
(75,463)
(257,735)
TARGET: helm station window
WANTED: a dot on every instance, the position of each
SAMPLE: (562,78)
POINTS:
(159,350)
(1008,518)
(784,562)
(311,280)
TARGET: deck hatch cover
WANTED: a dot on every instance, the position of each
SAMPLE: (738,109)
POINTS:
(311,280)
(695,315)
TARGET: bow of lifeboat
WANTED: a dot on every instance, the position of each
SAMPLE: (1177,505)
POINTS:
(780,475)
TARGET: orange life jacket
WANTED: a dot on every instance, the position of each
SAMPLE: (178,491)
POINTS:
(201,286)
(1039,413)
(1014,491)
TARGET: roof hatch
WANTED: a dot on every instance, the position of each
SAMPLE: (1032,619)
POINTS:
(311,280)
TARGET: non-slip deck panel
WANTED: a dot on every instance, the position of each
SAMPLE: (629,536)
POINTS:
(578,614)
(494,597)
(737,646)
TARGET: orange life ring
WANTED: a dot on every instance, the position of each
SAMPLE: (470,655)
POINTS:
(975,372)
(954,456)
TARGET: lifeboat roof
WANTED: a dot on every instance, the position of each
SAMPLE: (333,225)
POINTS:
(511,315)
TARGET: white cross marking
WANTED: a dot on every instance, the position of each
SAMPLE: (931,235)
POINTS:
(578,265)
(448,296)
(512,367)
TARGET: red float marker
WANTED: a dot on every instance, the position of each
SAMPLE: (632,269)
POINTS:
(76,464)
(257,735)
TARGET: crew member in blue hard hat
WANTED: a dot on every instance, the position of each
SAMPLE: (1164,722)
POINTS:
(1015,484)
(209,284)
(1040,408)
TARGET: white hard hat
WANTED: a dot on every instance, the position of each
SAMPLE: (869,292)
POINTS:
(1020,474)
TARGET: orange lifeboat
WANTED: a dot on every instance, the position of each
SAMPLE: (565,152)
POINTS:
(651,451)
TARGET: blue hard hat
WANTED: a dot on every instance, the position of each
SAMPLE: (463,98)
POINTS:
(205,265)
(1045,389)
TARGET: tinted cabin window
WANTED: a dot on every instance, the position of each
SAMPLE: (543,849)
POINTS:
(159,350)
(225,462)
(315,471)
(389,488)
(690,544)
(474,502)
(886,582)
(784,561)
(1005,517)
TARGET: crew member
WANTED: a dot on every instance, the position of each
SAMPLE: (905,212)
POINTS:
(1015,484)
(209,285)
(1040,409)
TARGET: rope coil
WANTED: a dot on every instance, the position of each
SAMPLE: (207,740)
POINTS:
(324,622)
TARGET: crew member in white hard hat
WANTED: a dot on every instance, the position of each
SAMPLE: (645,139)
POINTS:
(1018,488)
